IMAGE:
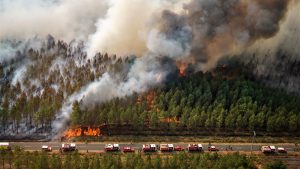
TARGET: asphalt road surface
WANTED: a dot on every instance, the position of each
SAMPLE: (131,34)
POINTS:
(98,147)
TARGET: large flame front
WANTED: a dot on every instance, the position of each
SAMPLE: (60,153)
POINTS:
(79,131)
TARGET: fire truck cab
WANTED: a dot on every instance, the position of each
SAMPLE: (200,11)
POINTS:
(66,147)
(212,148)
(281,150)
(195,147)
(166,147)
(273,149)
(178,148)
(46,148)
(149,147)
(112,147)
(266,150)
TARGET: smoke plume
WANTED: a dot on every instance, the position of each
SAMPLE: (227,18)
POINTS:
(64,19)
(276,60)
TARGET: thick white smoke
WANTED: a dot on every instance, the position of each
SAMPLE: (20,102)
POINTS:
(124,29)
(64,19)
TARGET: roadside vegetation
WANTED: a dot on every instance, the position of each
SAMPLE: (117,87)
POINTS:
(20,159)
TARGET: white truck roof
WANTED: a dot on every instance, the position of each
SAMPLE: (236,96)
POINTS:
(45,146)
(265,148)
(116,145)
(280,148)
(272,147)
(109,145)
(4,144)
(73,145)
(152,145)
(170,145)
(200,145)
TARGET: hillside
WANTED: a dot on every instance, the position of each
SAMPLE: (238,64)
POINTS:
(225,99)
(38,81)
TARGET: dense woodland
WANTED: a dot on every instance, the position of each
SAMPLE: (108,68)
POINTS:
(200,101)
(219,100)
(37,160)
(30,99)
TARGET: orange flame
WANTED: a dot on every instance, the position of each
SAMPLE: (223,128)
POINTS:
(92,132)
(79,131)
(149,97)
(170,119)
(182,68)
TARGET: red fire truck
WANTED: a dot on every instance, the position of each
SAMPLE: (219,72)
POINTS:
(128,150)
(195,147)
(179,148)
(281,150)
(166,147)
(266,150)
(66,147)
(149,147)
(112,147)
(46,148)
(212,148)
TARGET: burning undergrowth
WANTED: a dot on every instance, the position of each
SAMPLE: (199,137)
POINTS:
(80,131)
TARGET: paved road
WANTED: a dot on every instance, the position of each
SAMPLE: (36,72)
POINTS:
(32,146)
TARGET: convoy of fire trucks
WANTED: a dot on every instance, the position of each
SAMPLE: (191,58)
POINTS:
(71,147)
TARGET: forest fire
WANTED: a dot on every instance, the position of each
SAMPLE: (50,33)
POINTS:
(81,131)
(182,68)
(170,120)
(148,97)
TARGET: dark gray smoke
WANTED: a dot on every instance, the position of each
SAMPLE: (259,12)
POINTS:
(276,61)
(225,27)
